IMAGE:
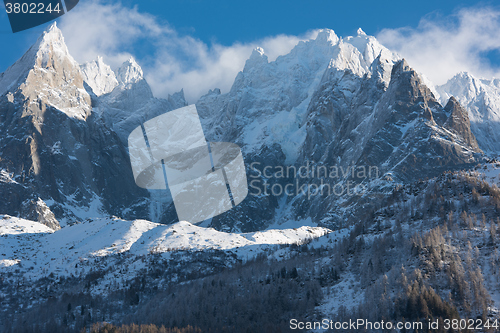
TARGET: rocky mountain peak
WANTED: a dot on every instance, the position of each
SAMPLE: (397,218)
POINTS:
(400,67)
(132,91)
(381,69)
(51,44)
(481,99)
(99,76)
(47,75)
(178,98)
(463,86)
(327,36)
(53,142)
(360,32)
(129,73)
(257,59)
(370,48)
(410,87)
(48,48)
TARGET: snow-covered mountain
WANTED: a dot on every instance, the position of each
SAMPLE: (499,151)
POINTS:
(63,128)
(54,146)
(75,249)
(343,102)
(47,74)
(99,76)
(481,98)
(334,102)
(123,98)
(268,102)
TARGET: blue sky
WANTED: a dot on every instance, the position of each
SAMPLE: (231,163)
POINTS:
(229,21)
(181,42)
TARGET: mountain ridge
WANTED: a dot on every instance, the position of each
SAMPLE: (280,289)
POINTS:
(413,240)
(330,100)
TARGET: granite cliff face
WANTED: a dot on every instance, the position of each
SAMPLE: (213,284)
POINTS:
(347,103)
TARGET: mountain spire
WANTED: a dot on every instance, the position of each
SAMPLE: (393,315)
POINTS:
(257,59)
(360,32)
(129,72)
(45,68)
(99,76)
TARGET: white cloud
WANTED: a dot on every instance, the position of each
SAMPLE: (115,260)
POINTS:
(442,47)
(214,67)
(114,32)
(439,47)
(94,28)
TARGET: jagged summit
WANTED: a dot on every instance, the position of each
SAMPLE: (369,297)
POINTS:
(360,32)
(132,91)
(103,80)
(258,52)
(48,74)
(257,59)
(52,38)
(400,67)
(370,48)
(48,47)
(327,36)
(129,72)
(54,139)
(330,99)
(481,98)
(362,123)
(463,86)
(312,57)
(178,98)
(99,76)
